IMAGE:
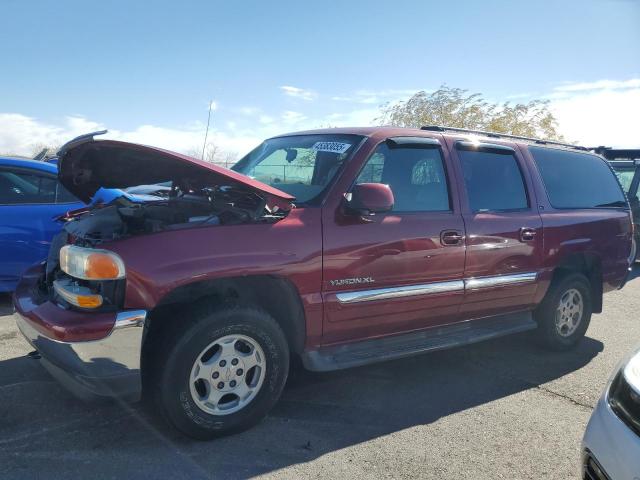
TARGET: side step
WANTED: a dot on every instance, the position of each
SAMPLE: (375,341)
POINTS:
(405,345)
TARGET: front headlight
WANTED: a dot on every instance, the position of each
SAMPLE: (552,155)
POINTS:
(91,263)
(624,394)
(631,374)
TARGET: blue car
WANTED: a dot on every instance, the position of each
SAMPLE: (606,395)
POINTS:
(30,199)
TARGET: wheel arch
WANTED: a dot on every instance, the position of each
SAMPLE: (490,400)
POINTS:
(277,295)
(588,264)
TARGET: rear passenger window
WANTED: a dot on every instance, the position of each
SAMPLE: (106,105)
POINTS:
(415,175)
(493,180)
(577,180)
(17,187)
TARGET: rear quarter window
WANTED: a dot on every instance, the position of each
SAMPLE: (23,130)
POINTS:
(625,177)
(577,180)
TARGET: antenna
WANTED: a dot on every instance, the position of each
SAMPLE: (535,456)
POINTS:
(206,133)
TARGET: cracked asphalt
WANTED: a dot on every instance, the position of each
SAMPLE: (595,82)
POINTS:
(501,409)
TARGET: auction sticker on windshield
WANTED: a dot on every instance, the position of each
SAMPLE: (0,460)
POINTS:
(333,147)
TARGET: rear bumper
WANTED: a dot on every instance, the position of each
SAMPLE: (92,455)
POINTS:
(92,354)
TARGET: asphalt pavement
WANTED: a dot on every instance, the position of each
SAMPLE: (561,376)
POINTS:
(500,409)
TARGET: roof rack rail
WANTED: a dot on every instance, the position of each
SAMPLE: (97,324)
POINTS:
(439,128)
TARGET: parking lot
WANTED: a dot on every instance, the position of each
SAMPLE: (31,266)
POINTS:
(502,409)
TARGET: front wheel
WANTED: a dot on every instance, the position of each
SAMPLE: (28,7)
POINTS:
(224,372)
(564,315)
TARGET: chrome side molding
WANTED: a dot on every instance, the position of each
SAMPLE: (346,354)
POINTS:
(462,285)
(499,280)
(398,292)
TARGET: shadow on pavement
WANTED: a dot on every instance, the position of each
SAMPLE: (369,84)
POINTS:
(45,430)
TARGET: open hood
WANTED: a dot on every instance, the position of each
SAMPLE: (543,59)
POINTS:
(86,165)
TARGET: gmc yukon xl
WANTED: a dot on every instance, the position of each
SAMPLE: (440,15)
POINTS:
(342,247)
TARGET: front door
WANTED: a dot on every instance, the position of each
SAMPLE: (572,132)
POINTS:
(401,270)
(504,229)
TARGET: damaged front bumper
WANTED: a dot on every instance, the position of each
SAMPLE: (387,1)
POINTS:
(92,354)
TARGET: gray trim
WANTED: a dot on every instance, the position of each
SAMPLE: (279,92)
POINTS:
(86,138)
(463,145)
(499,280)
(108,367)
(369,351)
(413,141)
(399,292)
(436,287)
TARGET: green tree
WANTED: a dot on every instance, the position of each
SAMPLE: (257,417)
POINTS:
(456,107)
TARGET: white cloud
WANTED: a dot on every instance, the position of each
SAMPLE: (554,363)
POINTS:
(292,117)
(21,134)
(599,85)
(249,111)
(354,118)
(600,116)
(596,113)
(518,96)
(265,119)
(376,97)
(297,92)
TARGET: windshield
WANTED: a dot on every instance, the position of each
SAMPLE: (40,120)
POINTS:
(301,165)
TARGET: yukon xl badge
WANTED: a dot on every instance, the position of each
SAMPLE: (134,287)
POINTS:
(351,281)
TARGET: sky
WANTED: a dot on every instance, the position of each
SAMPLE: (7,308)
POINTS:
(148,71)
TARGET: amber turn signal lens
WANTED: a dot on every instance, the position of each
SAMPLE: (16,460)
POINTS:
(88,301)
(77,295)
(101,266)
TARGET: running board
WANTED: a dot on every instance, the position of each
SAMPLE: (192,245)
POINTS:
(408,344)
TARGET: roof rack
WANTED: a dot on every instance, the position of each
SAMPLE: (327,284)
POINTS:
(439,128)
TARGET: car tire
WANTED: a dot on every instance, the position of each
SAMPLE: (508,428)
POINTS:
(564,315)
(194,393)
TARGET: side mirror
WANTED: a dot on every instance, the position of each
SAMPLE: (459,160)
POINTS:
(369,199)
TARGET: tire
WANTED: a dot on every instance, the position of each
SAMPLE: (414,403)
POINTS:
(209,407)
(561,321)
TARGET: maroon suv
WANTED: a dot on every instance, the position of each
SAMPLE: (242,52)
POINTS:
(341,246)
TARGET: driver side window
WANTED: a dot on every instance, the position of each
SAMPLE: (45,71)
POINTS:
(416,177)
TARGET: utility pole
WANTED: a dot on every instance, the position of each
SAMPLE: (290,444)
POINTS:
(206,133)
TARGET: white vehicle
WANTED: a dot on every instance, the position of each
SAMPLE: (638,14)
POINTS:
(611,443)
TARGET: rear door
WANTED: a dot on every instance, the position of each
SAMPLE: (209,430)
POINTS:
(504,228)
(401,270)
(29,201)
(584,211)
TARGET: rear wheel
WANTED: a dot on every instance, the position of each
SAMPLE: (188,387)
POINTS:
(565,313)
(225,371)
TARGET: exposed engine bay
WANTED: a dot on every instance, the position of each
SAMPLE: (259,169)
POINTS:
(125,216)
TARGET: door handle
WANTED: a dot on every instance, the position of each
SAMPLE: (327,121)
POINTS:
(527,234)
(450,238)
